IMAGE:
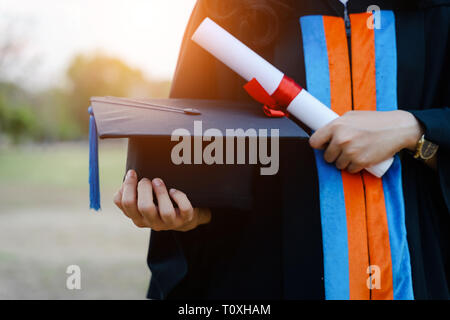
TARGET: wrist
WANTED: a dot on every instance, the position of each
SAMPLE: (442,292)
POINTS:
(413,130)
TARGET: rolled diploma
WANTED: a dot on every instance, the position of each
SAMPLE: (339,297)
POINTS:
(245,62)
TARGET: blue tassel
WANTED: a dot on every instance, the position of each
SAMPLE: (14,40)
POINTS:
(94,184)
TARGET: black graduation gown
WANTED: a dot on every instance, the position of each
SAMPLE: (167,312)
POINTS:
(275,250)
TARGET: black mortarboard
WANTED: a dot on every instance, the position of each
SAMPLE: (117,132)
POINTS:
(155,121)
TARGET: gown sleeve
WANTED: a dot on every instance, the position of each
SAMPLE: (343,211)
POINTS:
(436,121)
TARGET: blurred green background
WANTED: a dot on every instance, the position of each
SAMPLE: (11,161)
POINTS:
(45,226)
(60,113)
(45,223)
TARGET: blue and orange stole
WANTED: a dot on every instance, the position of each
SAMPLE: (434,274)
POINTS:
(365,249)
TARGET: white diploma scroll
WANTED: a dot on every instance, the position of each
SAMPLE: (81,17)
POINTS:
(245,62)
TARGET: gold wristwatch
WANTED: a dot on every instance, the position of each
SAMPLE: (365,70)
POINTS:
(425,150)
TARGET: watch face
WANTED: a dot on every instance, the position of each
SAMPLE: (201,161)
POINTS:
(428,150)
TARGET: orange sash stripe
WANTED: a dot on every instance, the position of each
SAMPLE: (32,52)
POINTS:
(341,102)
(364,98)
(363,63)
(357,236)
(379,247)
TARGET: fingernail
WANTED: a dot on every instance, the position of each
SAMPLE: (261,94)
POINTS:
(131,173)
(172,191)
(157,181)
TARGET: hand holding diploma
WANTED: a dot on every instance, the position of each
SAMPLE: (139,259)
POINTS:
(359,139)
(267,80)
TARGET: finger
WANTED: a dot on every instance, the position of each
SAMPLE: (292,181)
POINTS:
(343,161)
(354,168)
(321,137)
(204,216)
(332,152)
(129,201)
(146,206)
(184,205)
(118,198)
(201,216)
(165,206)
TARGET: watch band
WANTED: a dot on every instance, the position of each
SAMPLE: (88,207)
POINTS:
(425,149)
(419,147)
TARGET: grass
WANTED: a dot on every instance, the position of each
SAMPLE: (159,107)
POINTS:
(60,165)
(46,225)
(57,174)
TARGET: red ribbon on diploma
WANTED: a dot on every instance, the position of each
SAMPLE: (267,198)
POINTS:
(274,105)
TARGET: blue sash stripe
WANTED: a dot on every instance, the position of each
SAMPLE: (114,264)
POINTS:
(386,91)
(386,63)
(332,202)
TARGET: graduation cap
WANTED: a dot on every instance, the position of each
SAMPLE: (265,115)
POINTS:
(210,149)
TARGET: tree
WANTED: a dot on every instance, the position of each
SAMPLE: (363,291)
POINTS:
(102,75)
(16,117)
